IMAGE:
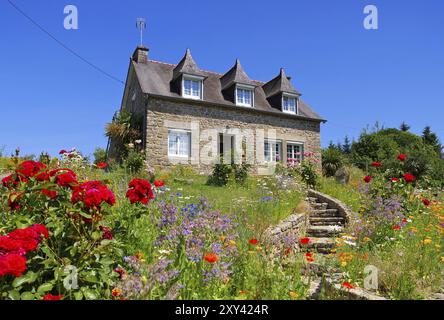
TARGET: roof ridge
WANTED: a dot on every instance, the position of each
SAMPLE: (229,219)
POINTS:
(213,72)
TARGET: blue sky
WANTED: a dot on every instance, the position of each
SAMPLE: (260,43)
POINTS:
(351,76)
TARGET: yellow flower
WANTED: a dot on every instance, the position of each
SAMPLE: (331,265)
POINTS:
(232,242)
(222,238)
(366,239)
(293,295)
(427,241)
(259,248)
(414,229)
(442,259)
(251,251)
(343,263)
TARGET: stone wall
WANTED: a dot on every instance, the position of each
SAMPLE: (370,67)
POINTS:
(334,203)
(163,114)
(294,227)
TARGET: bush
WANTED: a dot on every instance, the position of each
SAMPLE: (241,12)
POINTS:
(99,155)
(134,162)
(332,160)
(72,254)
(241,172)
(221,174)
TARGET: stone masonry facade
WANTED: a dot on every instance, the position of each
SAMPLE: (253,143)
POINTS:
(164,115)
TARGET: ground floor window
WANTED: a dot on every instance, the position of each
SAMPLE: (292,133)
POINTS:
(179,143)
(272,150)
(295,152)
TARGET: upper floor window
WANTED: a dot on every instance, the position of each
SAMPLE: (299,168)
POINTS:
(244,96)
(192,87)
(289,104)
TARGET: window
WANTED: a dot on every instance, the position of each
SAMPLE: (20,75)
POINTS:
(289,104)
(295,152)
(244,96)
(272,150)
(179,143)
(192,87)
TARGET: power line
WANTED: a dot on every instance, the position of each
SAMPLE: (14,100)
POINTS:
(64,45)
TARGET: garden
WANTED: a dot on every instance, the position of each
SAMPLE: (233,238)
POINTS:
(70,229)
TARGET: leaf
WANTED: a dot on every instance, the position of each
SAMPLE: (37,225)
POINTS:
(45,287)
(29,277)
(14,295)
(78,295)
(89,294)
(27,296)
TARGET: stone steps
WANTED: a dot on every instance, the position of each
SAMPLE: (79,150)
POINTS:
(326,221)
(320,205)
(324,213)
(324,231)
(321,245)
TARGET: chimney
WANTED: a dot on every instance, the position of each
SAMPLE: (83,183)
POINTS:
(140,55)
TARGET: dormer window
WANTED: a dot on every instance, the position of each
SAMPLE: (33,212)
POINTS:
(244,96)
(289,104)
(192,87)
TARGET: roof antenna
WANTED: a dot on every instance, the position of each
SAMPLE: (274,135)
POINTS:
(141,25)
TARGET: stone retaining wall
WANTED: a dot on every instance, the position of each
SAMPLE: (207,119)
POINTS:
(294,226)
(333,203)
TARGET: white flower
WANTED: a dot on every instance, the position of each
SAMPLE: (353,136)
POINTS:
(138,141)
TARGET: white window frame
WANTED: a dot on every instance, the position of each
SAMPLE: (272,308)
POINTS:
(296,101)
(177,154)
(192,79)
(272,146)
(294,156)
(246,88)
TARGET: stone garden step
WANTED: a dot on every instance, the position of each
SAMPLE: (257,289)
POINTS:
(324,231)
(320,205)
(321,245)
(324,213)
(311,199)
(325,221)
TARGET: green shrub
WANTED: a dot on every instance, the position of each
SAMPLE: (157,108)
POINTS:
(134,161)
(221,173)
(241,172)
(99,155)
(332,160)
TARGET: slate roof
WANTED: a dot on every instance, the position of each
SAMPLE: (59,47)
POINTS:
(155,78)
(278,85)
(236,75)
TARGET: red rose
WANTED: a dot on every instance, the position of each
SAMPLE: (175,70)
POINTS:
(139,191)
(211,257)
(426,201)
(50,297)
(106,233)
(102,165)
(13,201)
(30,168)
(64,177)
(63,151)
(376,164)
(13,264)
(41,230)
(397,227)
(92,194)
(159,183)
(253,241)
(368,179)
(120,271)
(395,179)
(409,177)
(304,240)
(402,157)
(10,182)
(52,194)
(309,257)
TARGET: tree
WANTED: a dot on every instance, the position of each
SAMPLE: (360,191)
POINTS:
(346,147)
(431,139)
(404,126)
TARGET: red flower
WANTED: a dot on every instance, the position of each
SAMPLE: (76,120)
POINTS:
(159,183)
(376,164)
(64,177)
(41,230)
(116,292)
(287,251)
(139,191)
(63,151)
(395,180)
(409,177)
(304,240)
(309,257)
(211,257)
(52,194)
(10,182)
(92,194)
(13,264)
(426,201)
(347,284)
(50,297)
(24,240)
(402,157)
(30,168)
(253,241)
(102,165)
(13,201)
(120,271)
(106,233)
(397,227)
(368,179)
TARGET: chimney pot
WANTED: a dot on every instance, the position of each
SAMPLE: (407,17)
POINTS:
(140,55)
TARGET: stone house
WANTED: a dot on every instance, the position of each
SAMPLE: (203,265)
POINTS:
(194,116)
